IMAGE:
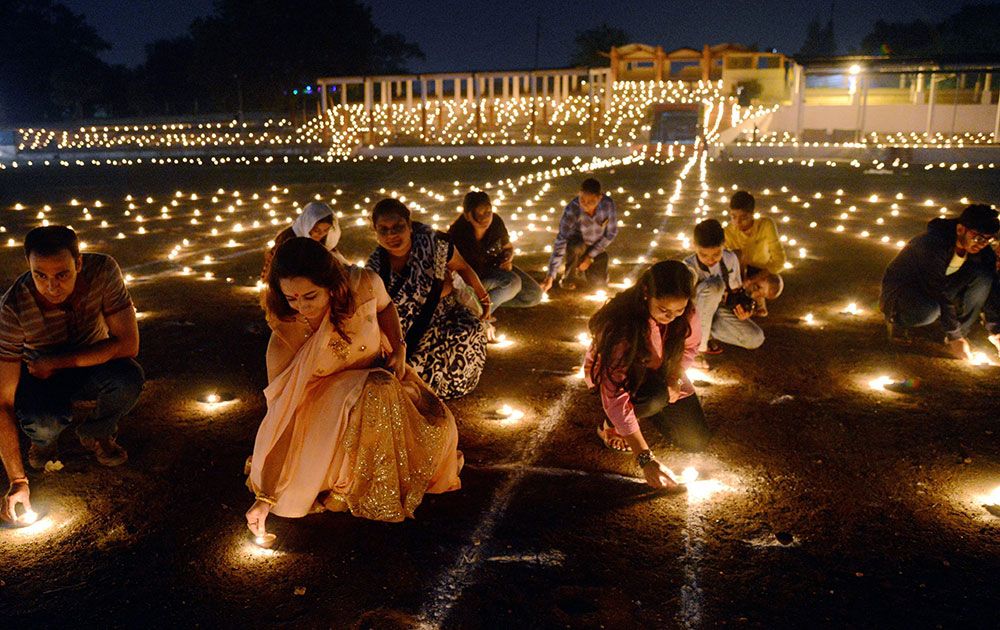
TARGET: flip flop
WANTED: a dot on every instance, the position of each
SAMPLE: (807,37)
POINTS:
(607,434)
(713,348)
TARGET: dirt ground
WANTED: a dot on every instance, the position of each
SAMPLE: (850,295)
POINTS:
(824,503)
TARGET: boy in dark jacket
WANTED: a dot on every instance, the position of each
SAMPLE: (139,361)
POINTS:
(947,274)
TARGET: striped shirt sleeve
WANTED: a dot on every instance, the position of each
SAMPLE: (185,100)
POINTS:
(11,335)
(114,295)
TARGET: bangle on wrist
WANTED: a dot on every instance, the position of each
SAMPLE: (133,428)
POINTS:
(17,480)
(644,457)
(264,498)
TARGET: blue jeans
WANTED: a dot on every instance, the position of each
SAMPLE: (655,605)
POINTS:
(720,323)
(510,288)
(44,407)
(914,308)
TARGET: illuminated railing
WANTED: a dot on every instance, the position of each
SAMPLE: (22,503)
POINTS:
(578,119)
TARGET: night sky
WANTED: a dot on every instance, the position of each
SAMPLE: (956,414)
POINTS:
(468,35)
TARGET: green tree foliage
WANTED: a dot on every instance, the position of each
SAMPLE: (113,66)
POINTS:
(589,44)
(970,31)
(49,65)
(168,78)
(820,40)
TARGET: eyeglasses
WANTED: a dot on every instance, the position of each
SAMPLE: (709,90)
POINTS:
(982,239)
(394,230)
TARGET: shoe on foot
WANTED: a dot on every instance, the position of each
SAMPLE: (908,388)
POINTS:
(713,347)
(106,451)
(38,455)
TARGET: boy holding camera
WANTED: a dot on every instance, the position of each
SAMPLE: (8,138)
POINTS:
(722,305)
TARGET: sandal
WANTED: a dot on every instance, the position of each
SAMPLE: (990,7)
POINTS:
(612,440)
(713,347)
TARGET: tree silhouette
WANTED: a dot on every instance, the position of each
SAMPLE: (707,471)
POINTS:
(820,40)
(589,44)
(49,66)
(256,51)
(248,54)
(970,31)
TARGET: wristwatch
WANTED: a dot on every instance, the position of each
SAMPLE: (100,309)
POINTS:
(644,457)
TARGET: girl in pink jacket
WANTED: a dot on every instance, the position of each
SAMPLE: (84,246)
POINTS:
(644,339)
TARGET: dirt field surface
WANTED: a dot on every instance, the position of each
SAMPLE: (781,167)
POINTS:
(822,503)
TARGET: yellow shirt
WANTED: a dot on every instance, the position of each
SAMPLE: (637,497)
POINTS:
(758,248)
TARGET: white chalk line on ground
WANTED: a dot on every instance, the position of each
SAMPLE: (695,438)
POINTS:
(453,583)
(692,598)
(552,558)
(560,472)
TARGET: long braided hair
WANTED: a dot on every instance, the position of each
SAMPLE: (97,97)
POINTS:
(621,328)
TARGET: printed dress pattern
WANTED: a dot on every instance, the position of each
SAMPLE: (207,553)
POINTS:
(451,354)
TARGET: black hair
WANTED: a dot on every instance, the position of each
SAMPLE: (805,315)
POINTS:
(709,233)
(591,185)
(742,200)
(621,327)
(50,240)
(981,218)
(474,200)
(390,207)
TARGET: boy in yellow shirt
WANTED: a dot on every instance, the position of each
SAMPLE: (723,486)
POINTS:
(755,241)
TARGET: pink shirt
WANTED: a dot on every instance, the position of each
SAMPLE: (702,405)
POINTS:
(616,400)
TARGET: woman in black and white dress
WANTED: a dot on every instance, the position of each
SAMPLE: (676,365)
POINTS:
(446,342)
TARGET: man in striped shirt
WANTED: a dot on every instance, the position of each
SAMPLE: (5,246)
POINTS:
(587,227)
(68,333)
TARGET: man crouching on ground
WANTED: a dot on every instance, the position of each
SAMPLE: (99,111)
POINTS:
(947,274)
(68,333)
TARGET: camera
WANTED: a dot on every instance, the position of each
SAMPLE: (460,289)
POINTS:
(739,297)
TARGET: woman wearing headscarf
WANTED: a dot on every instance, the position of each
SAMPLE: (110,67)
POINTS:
(317,222)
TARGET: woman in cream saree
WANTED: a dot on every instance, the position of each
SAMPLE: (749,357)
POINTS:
(349,427)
